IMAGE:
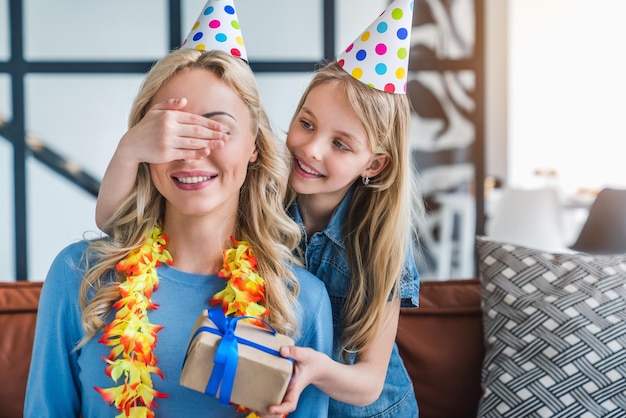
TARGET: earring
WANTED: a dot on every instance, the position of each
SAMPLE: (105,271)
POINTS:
(365,180)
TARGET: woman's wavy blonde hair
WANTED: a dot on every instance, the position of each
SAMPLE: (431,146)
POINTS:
(261,218)
(383,216)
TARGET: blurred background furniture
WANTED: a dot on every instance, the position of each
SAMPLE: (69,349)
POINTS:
(449,236)
(604,231)
(528,217)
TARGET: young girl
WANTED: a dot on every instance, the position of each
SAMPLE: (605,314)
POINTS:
(353,195)
(85,361)
(351,178)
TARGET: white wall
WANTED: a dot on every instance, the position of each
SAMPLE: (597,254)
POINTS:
(567,85)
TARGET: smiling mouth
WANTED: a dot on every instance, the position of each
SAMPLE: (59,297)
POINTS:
(307,169)
(193,180)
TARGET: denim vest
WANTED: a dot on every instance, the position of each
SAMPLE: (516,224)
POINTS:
(325,256)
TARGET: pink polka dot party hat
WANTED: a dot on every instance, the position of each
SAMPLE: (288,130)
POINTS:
(379,57)
(217,28)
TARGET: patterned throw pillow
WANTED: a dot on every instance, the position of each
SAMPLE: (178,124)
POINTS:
(555,333)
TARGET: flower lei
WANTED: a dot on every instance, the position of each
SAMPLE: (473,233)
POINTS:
(131,334)
(244,294)
(134,338)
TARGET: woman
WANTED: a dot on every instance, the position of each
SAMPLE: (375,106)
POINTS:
(189,209)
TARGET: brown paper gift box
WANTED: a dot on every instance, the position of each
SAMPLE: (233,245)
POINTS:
(261,378)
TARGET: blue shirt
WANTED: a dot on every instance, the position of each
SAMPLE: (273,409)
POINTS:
(61,381)
(325,256)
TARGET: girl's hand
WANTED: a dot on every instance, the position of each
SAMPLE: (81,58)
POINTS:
(166,133)
(307,364)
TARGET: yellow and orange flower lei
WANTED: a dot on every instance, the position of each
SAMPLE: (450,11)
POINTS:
(244,294)
(134,338)
(131,334)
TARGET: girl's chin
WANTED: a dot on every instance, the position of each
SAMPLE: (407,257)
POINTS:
(298,184)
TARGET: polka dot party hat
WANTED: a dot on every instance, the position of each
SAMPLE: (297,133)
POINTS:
(379,57)
(217,28)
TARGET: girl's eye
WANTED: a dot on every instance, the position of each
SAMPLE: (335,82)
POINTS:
(305,124)
(340,145)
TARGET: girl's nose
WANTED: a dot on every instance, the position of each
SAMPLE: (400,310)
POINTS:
(313,148)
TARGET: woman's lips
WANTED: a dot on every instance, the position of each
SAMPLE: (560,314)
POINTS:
(192,180)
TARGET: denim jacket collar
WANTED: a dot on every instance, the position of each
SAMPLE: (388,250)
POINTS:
(334,228)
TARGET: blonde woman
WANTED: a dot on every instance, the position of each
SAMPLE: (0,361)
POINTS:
(188,209)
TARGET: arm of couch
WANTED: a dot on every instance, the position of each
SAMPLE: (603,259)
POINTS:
(18,315)
(441,343)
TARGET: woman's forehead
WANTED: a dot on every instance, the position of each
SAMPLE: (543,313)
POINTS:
(205,91)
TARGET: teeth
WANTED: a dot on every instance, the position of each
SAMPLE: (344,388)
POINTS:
(192,180)
(307,169)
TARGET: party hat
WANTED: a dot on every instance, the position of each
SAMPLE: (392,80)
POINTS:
(379,57)
(217,28)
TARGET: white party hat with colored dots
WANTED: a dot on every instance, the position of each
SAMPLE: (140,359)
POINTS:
(379,57)
(217,28)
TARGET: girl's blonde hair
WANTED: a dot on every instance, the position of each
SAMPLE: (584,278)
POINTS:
(261,218)
(383,215)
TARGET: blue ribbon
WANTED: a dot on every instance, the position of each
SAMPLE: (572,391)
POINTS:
(227,353)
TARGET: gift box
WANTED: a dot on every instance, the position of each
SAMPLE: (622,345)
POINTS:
(236,361)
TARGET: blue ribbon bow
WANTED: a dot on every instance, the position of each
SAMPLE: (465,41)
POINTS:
(227,354)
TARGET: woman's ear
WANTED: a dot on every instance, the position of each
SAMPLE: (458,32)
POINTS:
(255,154)
(377,164)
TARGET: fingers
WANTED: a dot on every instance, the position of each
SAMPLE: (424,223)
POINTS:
(299,354)
(192,128)
(169,133)
(192,155)
(171,104)
(197,149)
(271,415)
(187,125)
(290,402)
(182,135)
(298,382)
(194,131)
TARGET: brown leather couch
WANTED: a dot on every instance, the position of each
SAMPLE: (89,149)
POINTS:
(440,342)
(18,313)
